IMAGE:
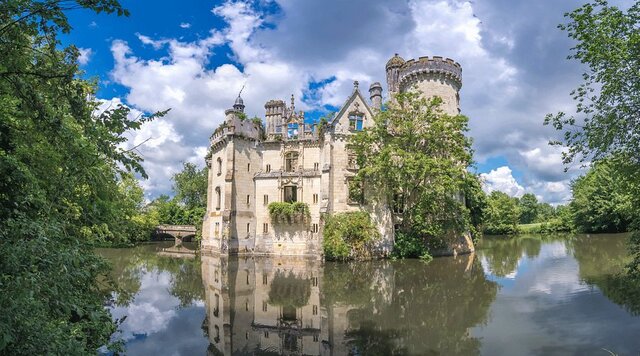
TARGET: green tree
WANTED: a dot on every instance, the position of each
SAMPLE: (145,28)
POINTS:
(546,212)
(61,164)
(528,208)
(190,186)
(415,159)
(600,202)
(607,43)
(502,214)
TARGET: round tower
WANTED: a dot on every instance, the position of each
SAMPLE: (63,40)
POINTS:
(375,94)
(393,71)
(434,76)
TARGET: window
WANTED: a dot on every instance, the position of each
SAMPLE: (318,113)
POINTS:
(398,203)
(266,199)
(292,130)
(352,162)
(248,167)
(266,333)
(218,198)
(356,192)
(314,281)
(248,199)
(246,305)
(290,194)
(216,232)
(247,277)
(248,227)
(219,166)
(265,228)
(356,120)
(315,310)
(314,228)
(264,309)
(315,338)
(315,198)
(316,166)
(268,168)
(264,278)
(291,161)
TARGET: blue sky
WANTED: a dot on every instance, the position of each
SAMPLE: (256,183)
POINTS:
(194,56)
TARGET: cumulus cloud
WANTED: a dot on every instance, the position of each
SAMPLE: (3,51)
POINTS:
(85,55)
(514,73)
(501,179)
(185,25)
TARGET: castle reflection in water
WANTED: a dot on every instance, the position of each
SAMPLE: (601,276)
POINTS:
(280,306)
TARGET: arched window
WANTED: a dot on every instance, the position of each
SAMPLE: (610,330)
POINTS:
(219,166)
(218,198)
(291,161)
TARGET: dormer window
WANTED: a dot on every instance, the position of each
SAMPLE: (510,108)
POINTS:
(356,120)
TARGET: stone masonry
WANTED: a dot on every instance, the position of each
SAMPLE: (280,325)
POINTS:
(291,160)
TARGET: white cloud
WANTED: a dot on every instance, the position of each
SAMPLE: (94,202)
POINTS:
(501,179)
(85,55)
(185,25)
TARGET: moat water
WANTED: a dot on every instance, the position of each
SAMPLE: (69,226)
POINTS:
(531,295)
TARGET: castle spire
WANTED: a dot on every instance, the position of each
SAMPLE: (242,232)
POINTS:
(239,103)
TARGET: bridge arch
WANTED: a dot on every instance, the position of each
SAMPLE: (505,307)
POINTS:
(181,233)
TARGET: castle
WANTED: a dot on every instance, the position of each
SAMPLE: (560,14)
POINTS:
(290,160)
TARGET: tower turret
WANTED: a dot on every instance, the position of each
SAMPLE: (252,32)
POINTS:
(435,76)
(393,70)
(274,111)
(239,104)
(375,94)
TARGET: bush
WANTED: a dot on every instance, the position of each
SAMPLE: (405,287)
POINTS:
(349,236)
(410,246)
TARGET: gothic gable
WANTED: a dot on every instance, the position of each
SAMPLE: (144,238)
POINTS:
(354,114)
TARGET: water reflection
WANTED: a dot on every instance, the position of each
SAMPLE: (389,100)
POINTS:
(299,306)
(527,296)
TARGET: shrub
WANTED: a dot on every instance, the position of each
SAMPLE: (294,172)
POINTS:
(290,213)
(349,236)
(409,245)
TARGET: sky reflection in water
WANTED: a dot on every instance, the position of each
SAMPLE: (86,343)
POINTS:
(527,296)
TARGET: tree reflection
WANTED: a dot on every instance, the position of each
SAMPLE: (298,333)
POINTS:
(602,259)
(504,253)
(130,265)
(432,308)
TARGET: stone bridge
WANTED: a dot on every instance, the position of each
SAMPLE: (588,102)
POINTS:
(179,232)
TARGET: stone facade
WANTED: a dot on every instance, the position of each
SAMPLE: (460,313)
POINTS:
(291,160)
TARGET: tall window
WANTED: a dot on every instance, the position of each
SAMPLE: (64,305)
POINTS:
(356,120)
(248,199)
(266,199)
(398,203)
(316,166)
(356,192)
(291,161)
(315,198)
(265,228)
(219,166)
(268,168)
(248,167)
(218,198)
(290,194)
(217,230)
(248,227)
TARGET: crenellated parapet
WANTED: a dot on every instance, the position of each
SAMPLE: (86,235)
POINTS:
(437,67)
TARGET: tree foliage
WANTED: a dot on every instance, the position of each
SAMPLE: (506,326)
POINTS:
(608,43)
(600,203)
(190,186)
(415,159)
(348,236)
(528,208)
(63,180)
(502,214)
